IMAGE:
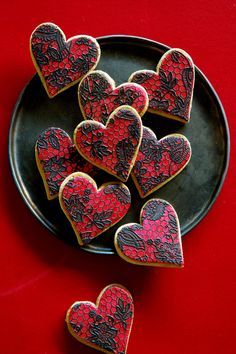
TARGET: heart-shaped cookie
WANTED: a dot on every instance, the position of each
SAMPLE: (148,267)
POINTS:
(90,210)
(158,161)
(99,97)
(157,241)
(106,325)
(56,158)
(170,89)
(61,63)
(113,147)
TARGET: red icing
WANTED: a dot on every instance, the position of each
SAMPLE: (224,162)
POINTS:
(112,148)
(98,96)
(170,90)
(159,161)
(62,63)
(91,211)
(105,326)
(156,241)
(57,158)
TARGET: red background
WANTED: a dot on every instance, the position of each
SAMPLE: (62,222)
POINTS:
(176,311)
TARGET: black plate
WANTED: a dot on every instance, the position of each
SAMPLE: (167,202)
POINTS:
(192,192)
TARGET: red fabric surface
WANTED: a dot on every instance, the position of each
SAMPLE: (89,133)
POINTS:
(176,311)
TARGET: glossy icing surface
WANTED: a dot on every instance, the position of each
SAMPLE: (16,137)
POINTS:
(158,161)
(170,89)
(98,96)
(156,240)
(60,62)
(112,148)
(91,211)
(105,326)
(57,158)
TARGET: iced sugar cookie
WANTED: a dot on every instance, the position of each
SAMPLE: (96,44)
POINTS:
(158,161)
(113,147)
(99,96)
(156,241)
(106,325)
(61,63)
(170,88)
(56,158)
(90,210)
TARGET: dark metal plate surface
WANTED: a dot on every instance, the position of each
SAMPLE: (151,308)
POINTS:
(192,192)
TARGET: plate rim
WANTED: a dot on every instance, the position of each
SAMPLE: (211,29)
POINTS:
(103,40)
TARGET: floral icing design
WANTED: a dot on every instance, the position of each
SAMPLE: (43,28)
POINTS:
(92,211)
(170,89)
(158,161)
(98,96)
(57,158)
(105,326)
(156,240)
(62,63)
(112,148)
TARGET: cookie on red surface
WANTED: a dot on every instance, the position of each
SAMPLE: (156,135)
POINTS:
(170,88)
(90,210)
(99,97)
(158,161)
(113,147)
(156,241)
(56,158)
(106,325)
(61,63)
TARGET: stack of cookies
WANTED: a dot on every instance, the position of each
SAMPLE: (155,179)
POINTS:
(113,138)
